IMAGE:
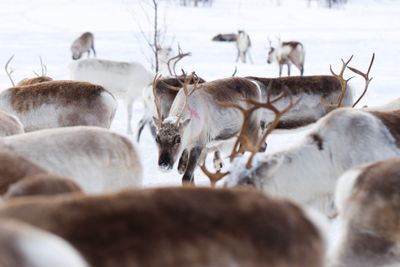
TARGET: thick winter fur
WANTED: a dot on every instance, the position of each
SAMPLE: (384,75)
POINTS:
(22,245)
(308,171)
(58,104)
(42,184)
(30,81)
(83,44)
(10,124)
(243,44)
(288,53)
(125,80)
(369,210)
(174,227)
(312,89)
(14,167)
(95,158)
(205,121)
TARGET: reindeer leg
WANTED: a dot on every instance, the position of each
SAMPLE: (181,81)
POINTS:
(218,163)
(88,53)
(140,128)
(183,161)
(280,70)
(288,69)
(94,51)
(194,156)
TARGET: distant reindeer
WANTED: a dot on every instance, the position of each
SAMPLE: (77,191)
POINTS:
(287,53)
(83,44)
(22,245)
(225,37)
(125,80)
(9,124)
(368,201)
(166,226)
(243,44)
(96,159)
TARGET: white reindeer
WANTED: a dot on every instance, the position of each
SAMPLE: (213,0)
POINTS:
(243,44)
(9,124)
(287,53)
(83,44)
(125,80)
(95,158)
(368,201)
(22,245)
(243,228)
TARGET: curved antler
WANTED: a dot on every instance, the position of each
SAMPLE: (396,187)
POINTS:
(366,78)
(9,71)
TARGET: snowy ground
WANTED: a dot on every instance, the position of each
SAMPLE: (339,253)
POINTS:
(46,28)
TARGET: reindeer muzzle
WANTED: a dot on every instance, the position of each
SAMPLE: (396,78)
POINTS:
(165,163)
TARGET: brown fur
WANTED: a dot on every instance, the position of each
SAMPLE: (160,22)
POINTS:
(14,167)
(178,227)
(322,84)
(10,255)
(25,98)
(373,216)
(9,125)
(391,121)
(35,80)
(292,44)
(44,185)
(293,124)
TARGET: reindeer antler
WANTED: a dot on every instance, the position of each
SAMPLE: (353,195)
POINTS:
(243,143)
(9,71)
(175,60)
(343,84)
(43,67)
(366,78)
(157,101)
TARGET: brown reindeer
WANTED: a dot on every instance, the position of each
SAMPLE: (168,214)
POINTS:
(287,53)
(83,44)
(178,227)
(368,200)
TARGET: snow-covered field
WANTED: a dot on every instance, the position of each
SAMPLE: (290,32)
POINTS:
(46,28)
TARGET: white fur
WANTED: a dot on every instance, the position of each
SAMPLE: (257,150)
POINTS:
(96,159)
(125,80)
(243,45)
(345,187)
(308,175)
(10,124)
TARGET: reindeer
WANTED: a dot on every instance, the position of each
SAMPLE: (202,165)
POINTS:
(83,44)
(368,200)
(243,228)
(307,172)
(125,80)
(198,120)
(42,184)
(243,44)
(287,53)
(9,124)
(95,158)
(22,245)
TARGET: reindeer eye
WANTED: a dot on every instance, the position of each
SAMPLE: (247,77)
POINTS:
(157,139)
(177,140)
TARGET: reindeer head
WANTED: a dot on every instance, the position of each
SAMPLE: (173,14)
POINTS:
(169,141)
(271,52)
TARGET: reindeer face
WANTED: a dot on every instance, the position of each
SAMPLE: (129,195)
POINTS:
(76,55)
(270,55)
(169,143)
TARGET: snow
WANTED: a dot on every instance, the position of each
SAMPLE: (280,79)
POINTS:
(46,28)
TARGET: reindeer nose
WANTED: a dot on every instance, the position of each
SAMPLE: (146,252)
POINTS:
(165,163)
(269,61)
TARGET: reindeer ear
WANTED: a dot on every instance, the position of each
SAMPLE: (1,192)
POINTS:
(157,122)
(184,123)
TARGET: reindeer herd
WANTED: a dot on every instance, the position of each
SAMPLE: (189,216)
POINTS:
(72,189)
